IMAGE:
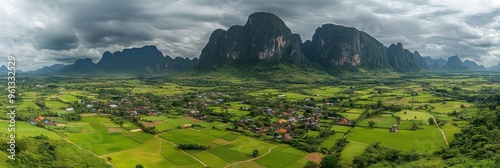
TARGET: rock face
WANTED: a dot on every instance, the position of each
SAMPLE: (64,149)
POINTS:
(135,60)
(179,64)
(474,66)
(335,46)
(401,59)
(435,64)
(264,38)
(495,68)
(454,64)
(81,66)
(49,69)
(419,60)
(3,69)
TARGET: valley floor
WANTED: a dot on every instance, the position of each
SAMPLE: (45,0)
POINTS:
(243,123)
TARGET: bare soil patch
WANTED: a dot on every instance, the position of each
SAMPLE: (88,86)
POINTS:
(150,124)
(193,119)
(135,130)
(315,157)
(114,130)
(92,114)
(221,141)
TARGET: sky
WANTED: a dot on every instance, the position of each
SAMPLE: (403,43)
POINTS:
(46,32)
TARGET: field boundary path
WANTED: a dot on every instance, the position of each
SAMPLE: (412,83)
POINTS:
(109,163)
(157,136)
(269,151)
(442,132)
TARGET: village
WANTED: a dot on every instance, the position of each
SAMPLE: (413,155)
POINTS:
(277,120)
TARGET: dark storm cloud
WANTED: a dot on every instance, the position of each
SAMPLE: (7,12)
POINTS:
(81,29)
(56,38)
(104,23)
(483,18)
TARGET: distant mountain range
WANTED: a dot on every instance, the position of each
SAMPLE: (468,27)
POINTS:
(135,60)
(266,41)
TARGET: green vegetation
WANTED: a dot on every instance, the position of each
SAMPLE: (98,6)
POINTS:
(278,123)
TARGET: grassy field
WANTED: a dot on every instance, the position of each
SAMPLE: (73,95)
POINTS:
(67,98)
(188,136)
(351,116)
(28,104)
(166,89)
(153,153)
(55,104)
(382,121)
(449,131)
(340,128)
(330,141)
(428,139)
(126,148)
(164,123)
(3,162)
(238,150)
(352,149)
(24,129)
(413,115)
(287,156)
(100,136)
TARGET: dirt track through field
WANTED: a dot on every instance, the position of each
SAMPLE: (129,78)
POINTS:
(442,132)
(157,136)
(109,163)
(269,151)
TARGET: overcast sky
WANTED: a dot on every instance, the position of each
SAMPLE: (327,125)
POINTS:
(45,32)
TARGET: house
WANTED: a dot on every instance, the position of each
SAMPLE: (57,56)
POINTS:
(113,106)
(287,136)
(281,121)
(49,123)
(262,130)
(194,112)
(282,131)
(394,128)
(42,119)
(133,113)
(70,109)
(39,119)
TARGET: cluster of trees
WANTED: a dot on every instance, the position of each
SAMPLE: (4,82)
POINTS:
(40,102)
(73,117)
(39,151)
(477,144)
(332,158)
(193,147)
(384,157)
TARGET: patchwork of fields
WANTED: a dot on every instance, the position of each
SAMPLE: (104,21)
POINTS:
(104,133)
